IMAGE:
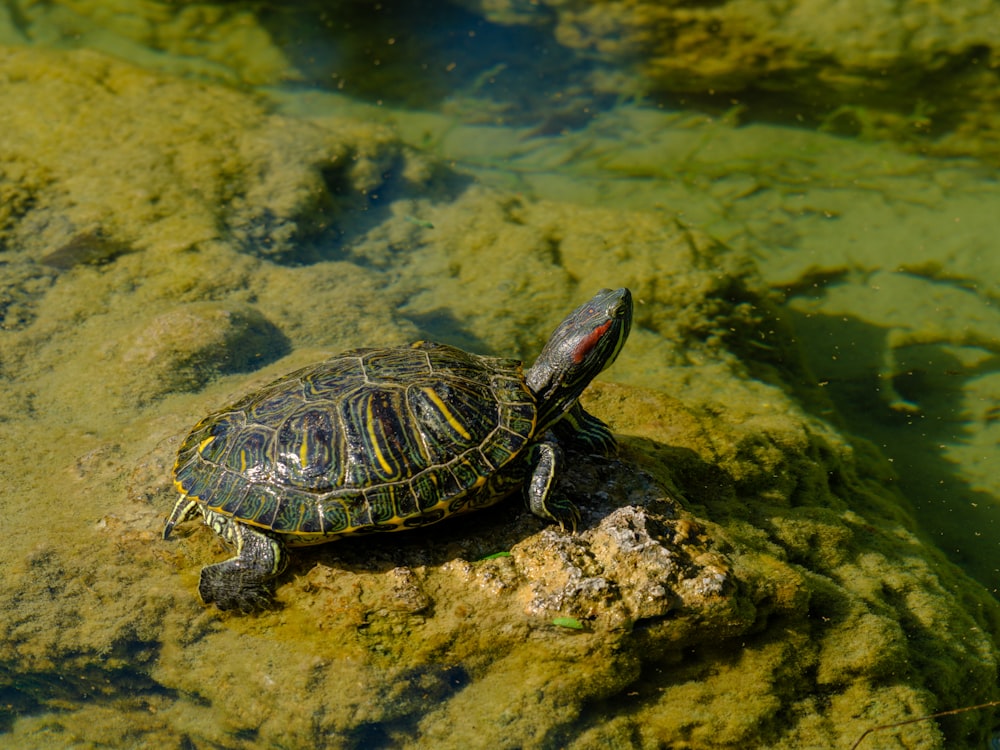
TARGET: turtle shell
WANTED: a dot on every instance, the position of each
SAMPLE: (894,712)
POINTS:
(369,440)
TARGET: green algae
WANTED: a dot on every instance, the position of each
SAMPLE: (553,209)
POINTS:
(495,556)
(819,609)
(194,39)
(567,622)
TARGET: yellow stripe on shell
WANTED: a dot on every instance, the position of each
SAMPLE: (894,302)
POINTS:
(373,440)
(304,451)
(446,413)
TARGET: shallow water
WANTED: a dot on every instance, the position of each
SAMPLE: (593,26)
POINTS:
(473,180)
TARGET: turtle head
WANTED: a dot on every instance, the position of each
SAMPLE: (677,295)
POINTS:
(586,342)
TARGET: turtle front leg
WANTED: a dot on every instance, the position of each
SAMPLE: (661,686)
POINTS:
(582,430)
(243,582)
(545,460)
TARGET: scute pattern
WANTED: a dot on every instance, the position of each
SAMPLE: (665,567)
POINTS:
(371,440)
(305,446)
(379,433)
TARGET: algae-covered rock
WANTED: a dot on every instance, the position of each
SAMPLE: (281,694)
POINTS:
(901,71)
(186,163)
(188,346)
(213,40)
(734,45)
(745,574)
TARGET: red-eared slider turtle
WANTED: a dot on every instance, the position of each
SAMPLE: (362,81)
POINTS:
(389,439)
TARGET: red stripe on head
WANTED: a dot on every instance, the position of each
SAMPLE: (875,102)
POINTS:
(587,343)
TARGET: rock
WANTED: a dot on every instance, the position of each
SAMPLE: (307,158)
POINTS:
(872,68)
(230,170)
(737,45)
(191,345)
(85,248)
(631,567)
(197,40)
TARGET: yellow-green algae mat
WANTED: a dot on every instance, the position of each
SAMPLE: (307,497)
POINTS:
(745,575)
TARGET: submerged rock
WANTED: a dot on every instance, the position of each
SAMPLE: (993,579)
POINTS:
(188,346)
(905,71)
(740,44)
(226,171)
(212,41)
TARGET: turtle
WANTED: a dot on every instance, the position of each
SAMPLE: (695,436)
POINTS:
(385,439)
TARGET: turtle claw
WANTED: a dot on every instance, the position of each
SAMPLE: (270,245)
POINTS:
(245,601)
(222,585)
(565,513)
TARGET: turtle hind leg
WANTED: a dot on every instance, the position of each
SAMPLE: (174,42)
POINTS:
(244,582)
